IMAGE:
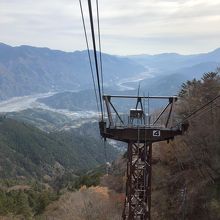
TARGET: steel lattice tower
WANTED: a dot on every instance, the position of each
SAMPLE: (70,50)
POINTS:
(139,136)
(138,187)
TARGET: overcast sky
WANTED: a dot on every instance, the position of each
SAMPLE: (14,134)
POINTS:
(127,26)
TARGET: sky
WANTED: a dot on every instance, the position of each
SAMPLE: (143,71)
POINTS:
(127,26)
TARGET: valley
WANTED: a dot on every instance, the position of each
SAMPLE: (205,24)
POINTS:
(51,152)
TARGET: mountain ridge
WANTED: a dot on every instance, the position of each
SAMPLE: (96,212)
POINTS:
(27,70)
(175,53)
(142,54)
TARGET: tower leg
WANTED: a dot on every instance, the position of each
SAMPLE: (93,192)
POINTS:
(137,204)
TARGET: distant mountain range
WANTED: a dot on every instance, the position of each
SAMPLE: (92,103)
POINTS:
(26,70)
(174,69)
(173,61)
(164,84)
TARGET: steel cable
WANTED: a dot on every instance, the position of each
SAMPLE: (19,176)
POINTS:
(100,47)
(95,55)
(88,51)
(202,108)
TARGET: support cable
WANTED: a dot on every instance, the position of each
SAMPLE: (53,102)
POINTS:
(102,83)
(95,55)
(91,67)
(203,111)
(100,52)
(198,110)
(88,51)
(100,47)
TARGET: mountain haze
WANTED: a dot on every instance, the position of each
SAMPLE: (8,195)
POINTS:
(174,61)
(26,70)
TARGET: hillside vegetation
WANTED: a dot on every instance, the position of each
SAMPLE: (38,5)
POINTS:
(29,152)
(35,166)
(44,119)
(186,172)
(24,199)
(186,179)
(94,203)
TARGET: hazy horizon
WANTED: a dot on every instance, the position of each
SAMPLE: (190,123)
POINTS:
(151,54)
(127,28)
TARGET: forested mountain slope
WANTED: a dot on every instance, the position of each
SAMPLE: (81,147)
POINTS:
(29,152)
(186,171)
(186,177)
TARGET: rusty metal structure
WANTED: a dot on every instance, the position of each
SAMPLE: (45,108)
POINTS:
(139,129)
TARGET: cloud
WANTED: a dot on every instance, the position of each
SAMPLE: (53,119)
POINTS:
(127,26)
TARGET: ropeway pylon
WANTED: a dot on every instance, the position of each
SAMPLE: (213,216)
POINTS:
(139,132)
(138,187)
